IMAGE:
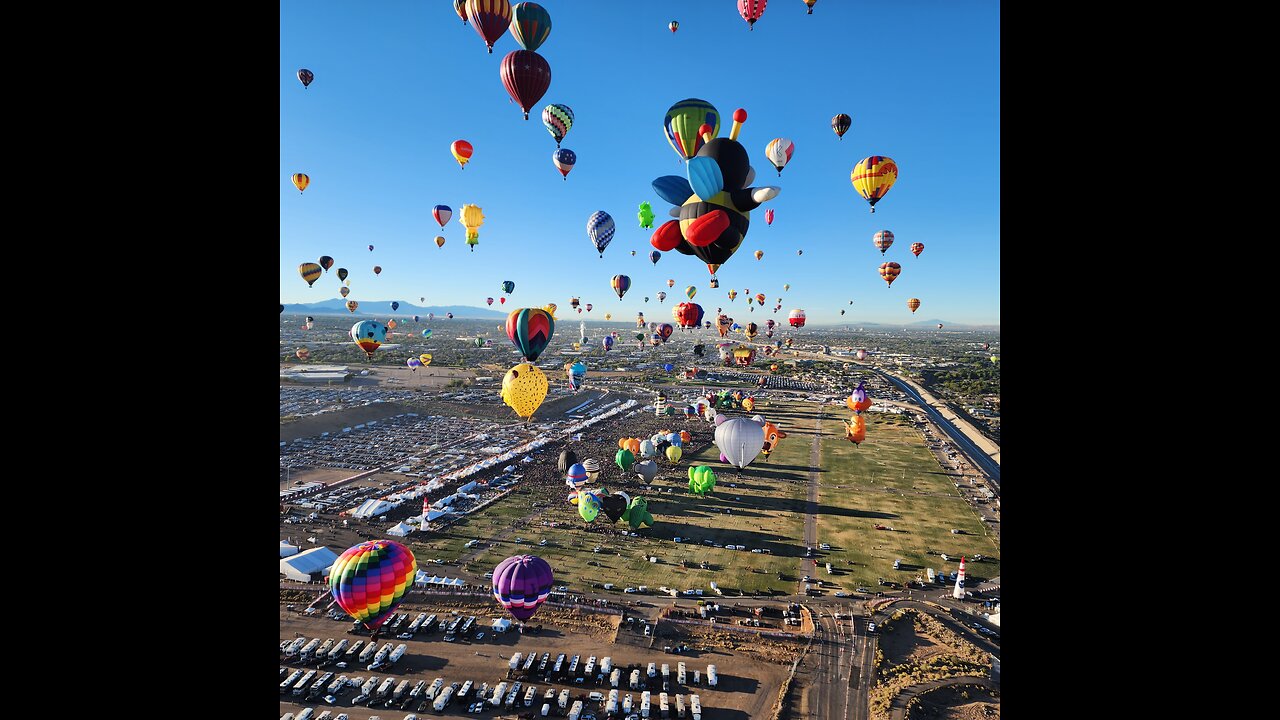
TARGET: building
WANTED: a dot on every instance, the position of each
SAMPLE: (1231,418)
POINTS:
(311,565)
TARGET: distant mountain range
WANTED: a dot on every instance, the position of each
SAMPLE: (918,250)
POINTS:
(919,324)
(338,306)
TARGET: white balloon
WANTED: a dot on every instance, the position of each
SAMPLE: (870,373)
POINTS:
(765,194)
(740,440)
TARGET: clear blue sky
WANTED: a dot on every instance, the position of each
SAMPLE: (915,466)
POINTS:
(397,81)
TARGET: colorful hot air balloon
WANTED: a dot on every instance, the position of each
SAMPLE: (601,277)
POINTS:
(490,18)
(855,431)
(662,296)
(873,176)
(786,287)
(674,25)
(301,181)
(442,213)
(760,298)
(449,315)
(530,330)
(326,262)
(772,434)
(768,216)
(779,152)
(861,354)
(702,480)
(809,4)
(306,76)
(521,583)
(607,343)
(462,151)
(655,256)
(524,388)
(671,283)
(621,284)
(488,301)
(368,335)
(472,218)
(303,353)
(690,292)
(310,272)
(460,7)
(751,10)
(914,304)
(917,248)
(342,274)
(343,291)
(882,240)
(890,272)
(413,363)
(558,120)
(600,230)
(840,124)
(576,372)
(858,401)
(439,241)
(682,122)
(526,76)
(732,295)
(759,254)
(369,580)
(530,25)
(370,248)
(796,318)
(425,358)
(564,159)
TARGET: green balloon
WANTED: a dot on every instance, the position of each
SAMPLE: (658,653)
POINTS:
(588,506)
(624,459)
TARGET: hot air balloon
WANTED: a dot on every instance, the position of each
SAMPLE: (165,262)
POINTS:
(326,262)
(368,335)
(425,358)
(809,4)
(488,301)
(310,272)
(890,272)
(472,218)
(449,315)
(526,76)
(530,330)
(873,176)
(573,302)
(460,7)
(986,346)
(674,25)
(674,453)
(301,181)
(530,25)
(524,388)
(671,283)
(662,296)
(681,125)
(690,292)
(343,291)
(688,315)
(490,18)
(558,120)
(751,330)
(702,480)
(522,583)
(646,219)
(442,213)
(655,256)
(576,476)
(665,330)
(855,431)
(917,248)
(620,284)
(739,440)
(576,372)
(858,400)
(370,248)
(564,159)
(607,343)
(760,254)
(303,353)
(914,304)
(426,333)
(369,580)
(939,324)
(840,124)
(796,318)
(508,286)
(861,354)
(768,218)
(600,230)
(377,269)
(588,307)
(306,76)
(751,10)
(342,274)
(779,152)
(413,363)
(995,358)
(882,240)
(461,150)
(439,241)
(772,434)
(732,295)
(760,298)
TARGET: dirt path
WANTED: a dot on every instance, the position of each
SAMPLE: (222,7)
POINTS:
(898,708)
(811,510)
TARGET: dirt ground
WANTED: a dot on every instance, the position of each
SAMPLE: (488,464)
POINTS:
(948,704)
(746,690)
(904,642)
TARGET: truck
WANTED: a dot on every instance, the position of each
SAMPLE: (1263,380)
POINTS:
(573,666)
(695,707)
(563,701)
(301,686)
(712,680)
(385,688)
(575,712)
(397,653)
(664,708)
(467,624)
(336,651)
(679,706)
(433,689)
(529,695)
(304,655)
(558,670)
(606,664)
(680,673)
(466,688)
(294,647)
(514,662)
(644,704)
(442,700)
(290,681)
(511,696)
(635,680)
(615,677)
(367,654)
(611,708)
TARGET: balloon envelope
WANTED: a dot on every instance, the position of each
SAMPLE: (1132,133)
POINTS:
(522,583)
(740,441)
(369,580)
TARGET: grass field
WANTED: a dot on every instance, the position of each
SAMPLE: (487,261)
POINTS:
(892,480)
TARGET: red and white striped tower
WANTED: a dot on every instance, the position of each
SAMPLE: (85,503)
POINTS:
(426,507)
(958,592)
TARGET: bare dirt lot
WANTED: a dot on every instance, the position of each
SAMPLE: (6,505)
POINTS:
(950,704)
(747,686)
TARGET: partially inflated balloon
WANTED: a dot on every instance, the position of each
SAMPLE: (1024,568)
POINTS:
(369,580)
(524,388)
(522,583)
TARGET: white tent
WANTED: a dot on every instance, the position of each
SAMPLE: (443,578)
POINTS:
(286,549)
(373,508)
(401,530)
(501,625)
(313,564)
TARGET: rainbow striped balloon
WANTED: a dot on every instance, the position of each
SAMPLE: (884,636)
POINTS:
(369,580)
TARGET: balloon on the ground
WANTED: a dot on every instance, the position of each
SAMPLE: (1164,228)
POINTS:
(739,440)
(524,388)
(772,434)
(624,459)
(702,480)
(637,514)
(567,459)
(369,580)
(522,583)
(674,453)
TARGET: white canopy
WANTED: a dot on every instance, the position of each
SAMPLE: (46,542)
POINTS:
(401,530)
